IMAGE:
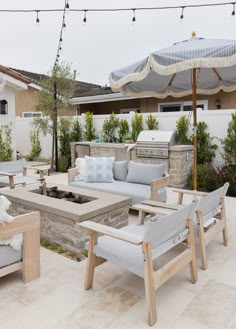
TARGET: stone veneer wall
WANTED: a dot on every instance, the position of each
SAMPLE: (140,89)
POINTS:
(66,232)
(180,164)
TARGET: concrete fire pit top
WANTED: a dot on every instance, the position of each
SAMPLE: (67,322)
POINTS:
(103,202)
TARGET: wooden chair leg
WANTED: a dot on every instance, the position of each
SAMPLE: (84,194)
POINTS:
(149,285)
(31,255)
(223,217)
(90,262)
(193,263)
(202,241)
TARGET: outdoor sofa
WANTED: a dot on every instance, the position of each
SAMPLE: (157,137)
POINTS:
(139,181)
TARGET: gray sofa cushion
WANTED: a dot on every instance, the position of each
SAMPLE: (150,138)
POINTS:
(9,256)
(138,192)
(144,173)
(120,170)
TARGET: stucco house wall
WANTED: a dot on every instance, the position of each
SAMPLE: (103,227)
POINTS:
(13,84)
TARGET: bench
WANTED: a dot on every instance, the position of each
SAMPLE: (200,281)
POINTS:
(139,181)
(14,173)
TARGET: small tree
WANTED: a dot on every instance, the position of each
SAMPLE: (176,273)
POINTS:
(89,129)
(109,127)
(229,143)
(151,122)
(136,125)
(56,91)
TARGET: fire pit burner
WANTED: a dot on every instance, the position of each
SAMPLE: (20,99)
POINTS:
(54,192)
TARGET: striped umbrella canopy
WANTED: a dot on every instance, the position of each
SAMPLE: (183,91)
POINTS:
(194,66)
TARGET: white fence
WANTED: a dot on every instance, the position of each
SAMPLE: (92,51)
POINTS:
(217,121)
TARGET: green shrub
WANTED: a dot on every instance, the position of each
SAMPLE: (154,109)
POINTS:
(182,127)
(123,130)
(229,143)
(35,144)
(212,177)
(89,129)
(151,122)
(205,147)
(109,127)
(136,125)
(76,131)
(6,150)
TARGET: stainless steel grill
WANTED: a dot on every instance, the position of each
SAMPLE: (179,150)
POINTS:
(155,143)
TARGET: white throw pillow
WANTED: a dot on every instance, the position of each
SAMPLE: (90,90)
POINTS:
(80,164)
(99,170)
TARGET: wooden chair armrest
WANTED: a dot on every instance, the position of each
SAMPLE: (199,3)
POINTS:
(162,204)
(72,173)
(112,232)
(21,224)
(190,192)
(157,184)
(38,168)
(4,173)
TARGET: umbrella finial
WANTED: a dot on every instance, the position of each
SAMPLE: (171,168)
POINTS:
(193,34)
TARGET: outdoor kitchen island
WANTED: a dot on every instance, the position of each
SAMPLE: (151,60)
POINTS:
(60,218)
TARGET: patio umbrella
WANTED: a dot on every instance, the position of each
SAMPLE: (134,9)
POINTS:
(194,66)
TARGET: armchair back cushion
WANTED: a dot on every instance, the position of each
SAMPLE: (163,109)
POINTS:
(143,173)
(209,205)
(120,170)
(15,166)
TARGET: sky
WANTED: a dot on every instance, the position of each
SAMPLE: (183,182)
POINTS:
(108,40)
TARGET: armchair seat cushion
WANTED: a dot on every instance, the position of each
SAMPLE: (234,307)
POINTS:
(138,192)
(126,255)
(8,255)
(4,181)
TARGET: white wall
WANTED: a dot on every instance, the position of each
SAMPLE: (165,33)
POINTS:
(5,119)
(216,120)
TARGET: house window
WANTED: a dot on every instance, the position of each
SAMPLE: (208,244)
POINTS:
(31,114)
(181,106)
(3,107)
(170,107)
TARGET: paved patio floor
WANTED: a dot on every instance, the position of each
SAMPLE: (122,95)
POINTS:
(57,299)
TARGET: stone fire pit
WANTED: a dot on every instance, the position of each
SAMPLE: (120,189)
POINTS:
(60,218)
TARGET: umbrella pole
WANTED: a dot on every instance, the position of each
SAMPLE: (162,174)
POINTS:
(194,88)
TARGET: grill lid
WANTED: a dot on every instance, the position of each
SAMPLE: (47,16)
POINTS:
(157,137)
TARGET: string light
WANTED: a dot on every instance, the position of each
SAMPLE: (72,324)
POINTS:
(182,13)
(134,18)
(63,26)
(85,16)
(67,7)
(233,11)
(37,18)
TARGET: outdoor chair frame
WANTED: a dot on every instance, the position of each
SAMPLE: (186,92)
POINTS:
(157,238)
(29,225)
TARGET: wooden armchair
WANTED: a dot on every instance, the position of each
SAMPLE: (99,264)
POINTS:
(135,247)
(28,259)
(10,169)
(210,217)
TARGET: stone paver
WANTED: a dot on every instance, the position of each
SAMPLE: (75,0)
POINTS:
(57,299)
